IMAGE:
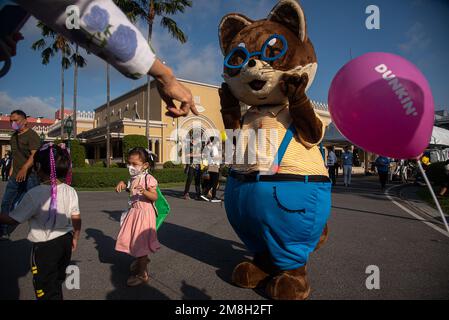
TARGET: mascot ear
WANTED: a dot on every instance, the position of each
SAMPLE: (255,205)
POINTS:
(230,25)
(290,14)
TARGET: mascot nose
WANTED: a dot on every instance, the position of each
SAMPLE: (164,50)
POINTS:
(252,63)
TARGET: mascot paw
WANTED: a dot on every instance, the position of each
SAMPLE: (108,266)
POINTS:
(323,238)
(289,285)
(248,275)
(293,86)
(230,108)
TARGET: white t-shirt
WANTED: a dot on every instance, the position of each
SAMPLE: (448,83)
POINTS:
(35,205)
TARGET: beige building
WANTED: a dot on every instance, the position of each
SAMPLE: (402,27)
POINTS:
(127,116)
(84,122)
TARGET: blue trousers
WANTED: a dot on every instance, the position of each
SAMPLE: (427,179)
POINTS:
(14,193)
(284,218)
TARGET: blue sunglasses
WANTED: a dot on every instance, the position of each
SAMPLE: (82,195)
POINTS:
(262,52)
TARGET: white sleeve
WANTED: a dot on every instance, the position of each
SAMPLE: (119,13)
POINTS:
(74,204)
(103,30)
(24,210)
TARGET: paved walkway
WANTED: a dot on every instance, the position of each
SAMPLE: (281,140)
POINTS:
(200,250)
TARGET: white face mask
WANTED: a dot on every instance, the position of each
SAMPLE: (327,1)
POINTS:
(134,171)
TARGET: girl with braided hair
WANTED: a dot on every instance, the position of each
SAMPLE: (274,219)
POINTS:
(52,211)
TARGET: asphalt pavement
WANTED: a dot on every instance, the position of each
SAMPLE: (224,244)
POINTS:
(200,249)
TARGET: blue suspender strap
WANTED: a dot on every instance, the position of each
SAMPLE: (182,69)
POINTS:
(322,150)
(283,148)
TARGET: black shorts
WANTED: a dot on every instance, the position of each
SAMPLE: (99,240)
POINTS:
(49,261)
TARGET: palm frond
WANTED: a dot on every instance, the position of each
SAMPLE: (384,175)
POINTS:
(132,9)
(78,59)
(65,62)
(173,29)
(39,44)
(46,55)
(171,7)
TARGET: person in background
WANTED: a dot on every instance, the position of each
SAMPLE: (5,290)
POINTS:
(24,144)
(347,161)
(5,163)
(193,169)
(331,164)
(212,153)
(383,167)
(445,186)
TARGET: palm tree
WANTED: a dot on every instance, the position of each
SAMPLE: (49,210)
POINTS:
(78,61)
(132,10)
(63,46)
(163,9)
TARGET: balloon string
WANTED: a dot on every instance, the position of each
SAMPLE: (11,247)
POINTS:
(433,195)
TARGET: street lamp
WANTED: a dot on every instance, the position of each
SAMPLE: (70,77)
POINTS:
(68,126)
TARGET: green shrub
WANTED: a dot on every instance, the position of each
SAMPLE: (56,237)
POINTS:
(99,164)
(436,173)
(133,141)
(224,171)
(171,165)
(78,154)
(91,177)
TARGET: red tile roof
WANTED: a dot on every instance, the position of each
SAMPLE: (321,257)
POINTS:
(32,122)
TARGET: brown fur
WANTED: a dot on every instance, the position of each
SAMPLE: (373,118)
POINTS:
(288,79)
(285,20)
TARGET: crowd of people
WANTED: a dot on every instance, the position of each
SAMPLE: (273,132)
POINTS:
(203,168)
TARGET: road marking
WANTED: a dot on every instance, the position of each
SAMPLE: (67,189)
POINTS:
(440,230)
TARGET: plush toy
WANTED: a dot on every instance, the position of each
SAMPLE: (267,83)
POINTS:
(278,208)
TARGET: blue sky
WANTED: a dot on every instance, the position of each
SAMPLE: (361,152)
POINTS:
(415,29)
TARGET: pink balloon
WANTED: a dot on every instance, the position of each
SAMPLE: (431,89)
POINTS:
(382,103)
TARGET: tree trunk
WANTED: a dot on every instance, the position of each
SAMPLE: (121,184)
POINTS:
(108,133)
(148,106)
(62,99)
(75,92)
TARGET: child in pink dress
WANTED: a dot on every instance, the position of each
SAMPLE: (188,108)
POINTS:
(137,236)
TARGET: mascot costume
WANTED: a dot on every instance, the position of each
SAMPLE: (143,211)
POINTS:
(278,209)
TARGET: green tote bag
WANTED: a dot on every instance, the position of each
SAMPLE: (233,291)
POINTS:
(161,206)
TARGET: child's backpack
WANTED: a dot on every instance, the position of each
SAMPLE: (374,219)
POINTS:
(161,206)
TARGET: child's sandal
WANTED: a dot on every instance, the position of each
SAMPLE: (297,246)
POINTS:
(133,266)
(137,280)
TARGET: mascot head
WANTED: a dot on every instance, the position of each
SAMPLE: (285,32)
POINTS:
(258,53)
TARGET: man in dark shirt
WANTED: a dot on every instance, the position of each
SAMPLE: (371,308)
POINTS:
(24,144)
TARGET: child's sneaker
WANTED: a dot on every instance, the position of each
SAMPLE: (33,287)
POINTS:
(4,237)
(205,198)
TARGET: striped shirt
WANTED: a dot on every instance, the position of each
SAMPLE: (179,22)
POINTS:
(270,125)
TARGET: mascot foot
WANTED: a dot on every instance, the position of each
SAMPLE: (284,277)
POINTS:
(289,285)
(323,238)
(251,275)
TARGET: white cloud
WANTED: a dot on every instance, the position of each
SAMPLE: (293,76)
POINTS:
(203,64)
(417,38)
(32,106)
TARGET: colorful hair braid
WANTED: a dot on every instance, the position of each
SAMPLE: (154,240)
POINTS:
(54,190)
(53,178)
